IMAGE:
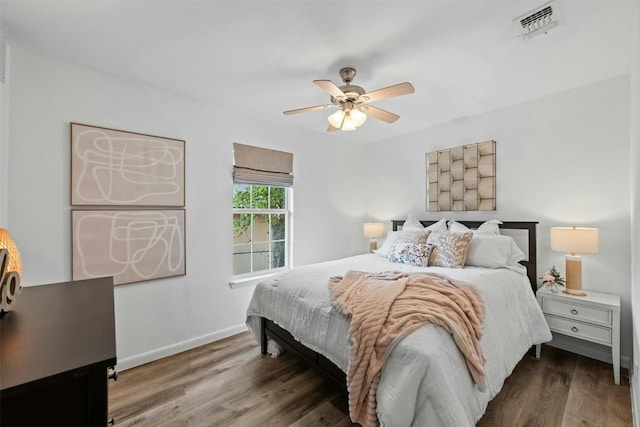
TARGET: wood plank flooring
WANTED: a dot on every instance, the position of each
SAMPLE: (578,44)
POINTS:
(228,383)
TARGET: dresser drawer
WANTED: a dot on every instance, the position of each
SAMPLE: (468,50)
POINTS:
(578,329)
(577,311)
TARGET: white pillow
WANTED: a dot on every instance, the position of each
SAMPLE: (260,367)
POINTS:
(438,227)
(493,251)
(402,236)
(489,227)
(412,223)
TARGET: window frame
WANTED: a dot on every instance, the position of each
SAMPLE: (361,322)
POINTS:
(288,218)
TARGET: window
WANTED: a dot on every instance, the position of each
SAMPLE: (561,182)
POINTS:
(261,209)
(261,219)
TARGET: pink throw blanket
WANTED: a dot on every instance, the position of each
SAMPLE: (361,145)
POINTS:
(384,307)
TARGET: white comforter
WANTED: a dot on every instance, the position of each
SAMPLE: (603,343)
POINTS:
(425,381)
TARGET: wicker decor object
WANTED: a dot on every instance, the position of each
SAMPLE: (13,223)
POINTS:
(462,178)
(10,272)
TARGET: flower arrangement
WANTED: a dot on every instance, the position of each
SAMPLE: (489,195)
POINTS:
(552,279)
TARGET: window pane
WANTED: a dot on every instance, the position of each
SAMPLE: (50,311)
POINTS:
(260,228)
(242,259)
(277,254)
(276,198)
(241,196)
(261,256)
(260,195)
(241,228)
(277,226)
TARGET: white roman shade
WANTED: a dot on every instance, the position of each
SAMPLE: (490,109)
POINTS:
(255,165)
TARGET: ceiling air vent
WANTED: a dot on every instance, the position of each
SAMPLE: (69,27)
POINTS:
(539,20)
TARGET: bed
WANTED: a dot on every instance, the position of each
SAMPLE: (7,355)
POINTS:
(425,380)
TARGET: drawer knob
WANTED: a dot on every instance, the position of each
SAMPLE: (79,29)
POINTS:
(574,311)
(574,329)
(114,374)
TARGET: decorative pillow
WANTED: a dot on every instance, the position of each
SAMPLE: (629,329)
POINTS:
(402,236)
(418,254)
(412,223)
(398,252)
(488,227)
(411,253)
(493,251)
(449,249)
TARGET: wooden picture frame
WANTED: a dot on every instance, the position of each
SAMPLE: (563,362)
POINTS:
(130,245)
(111,167)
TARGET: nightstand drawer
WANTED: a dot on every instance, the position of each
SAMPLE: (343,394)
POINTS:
(577,311)
(579,329)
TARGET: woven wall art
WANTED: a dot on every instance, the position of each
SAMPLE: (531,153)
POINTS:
(462,178)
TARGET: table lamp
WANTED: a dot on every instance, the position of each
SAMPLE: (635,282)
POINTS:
(373,230)
(574,240)
(10,272)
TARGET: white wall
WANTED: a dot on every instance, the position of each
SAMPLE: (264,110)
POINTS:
(561,160)
(162,316)
(4,150)
(635,216)
(4,145)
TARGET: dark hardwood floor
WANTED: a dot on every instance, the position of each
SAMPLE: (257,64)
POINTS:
(228,383)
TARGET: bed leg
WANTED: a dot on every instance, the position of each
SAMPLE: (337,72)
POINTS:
(263,335)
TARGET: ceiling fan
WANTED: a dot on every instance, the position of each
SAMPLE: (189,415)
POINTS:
(353,102)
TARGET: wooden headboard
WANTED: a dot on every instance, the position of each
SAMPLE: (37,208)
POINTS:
(530,226)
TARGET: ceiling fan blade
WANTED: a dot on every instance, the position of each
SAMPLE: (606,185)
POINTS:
(388,92)
(304,110)
(331,128)
(330,88)
(379,113)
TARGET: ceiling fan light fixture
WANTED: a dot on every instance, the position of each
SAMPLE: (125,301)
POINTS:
(353,102)
(347,124)
(336,119)
(357,117)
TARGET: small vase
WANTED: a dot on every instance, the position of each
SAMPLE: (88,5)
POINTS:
(553,287)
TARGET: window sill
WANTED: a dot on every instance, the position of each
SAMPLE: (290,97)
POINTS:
(241,282)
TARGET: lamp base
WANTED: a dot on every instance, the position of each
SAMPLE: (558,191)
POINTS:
(575,293)
(373,245)
(573,264)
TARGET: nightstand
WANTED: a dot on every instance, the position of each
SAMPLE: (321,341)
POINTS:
(595,318)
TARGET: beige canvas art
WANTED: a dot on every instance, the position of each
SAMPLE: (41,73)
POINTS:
(116,168)
(130,245)
(462,178)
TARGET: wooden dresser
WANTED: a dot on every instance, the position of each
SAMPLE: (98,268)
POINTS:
(57,347)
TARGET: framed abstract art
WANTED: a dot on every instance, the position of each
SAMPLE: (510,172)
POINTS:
(117,168)
(130,245)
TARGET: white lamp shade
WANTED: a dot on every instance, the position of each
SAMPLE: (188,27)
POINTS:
(373,230)
(574,240)
(357,117)
(336,119)
(347,123)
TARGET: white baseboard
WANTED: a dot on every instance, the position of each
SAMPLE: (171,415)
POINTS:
(150,356)
(635,396)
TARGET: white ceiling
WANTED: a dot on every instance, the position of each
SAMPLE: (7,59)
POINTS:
(463,57)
